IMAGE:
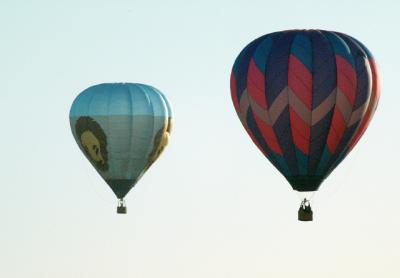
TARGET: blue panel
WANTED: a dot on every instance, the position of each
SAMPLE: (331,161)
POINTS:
(319,134)
(302,160)
(277,66)
(301,48)
(324,68)
(339,46)
(323,162)
(166,103)
(262,52)
(365,49)
(284,134)
(282,165)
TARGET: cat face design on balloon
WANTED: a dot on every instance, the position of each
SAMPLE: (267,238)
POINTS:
(93,141)
(160,142)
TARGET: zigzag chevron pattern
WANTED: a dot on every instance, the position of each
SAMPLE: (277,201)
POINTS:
(305,98)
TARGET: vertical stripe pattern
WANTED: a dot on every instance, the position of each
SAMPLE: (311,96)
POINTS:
(305,97)
(121,128)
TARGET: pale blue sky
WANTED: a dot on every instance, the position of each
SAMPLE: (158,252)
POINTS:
(212,206)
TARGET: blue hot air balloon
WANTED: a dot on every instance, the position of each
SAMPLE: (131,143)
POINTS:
(121,128)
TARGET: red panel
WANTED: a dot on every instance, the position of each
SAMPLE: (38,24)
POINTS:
(347,83)
(269,135)
(361,129)
(376,83)
(336,131)
(346,78)
(256,84)
(373,102)
(233,92)
(300,132)
(300,80)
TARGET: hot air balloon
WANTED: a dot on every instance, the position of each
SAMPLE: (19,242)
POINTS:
(122,129)
(305,97)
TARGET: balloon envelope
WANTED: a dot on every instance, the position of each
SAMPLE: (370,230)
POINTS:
(121,129)
(305,98)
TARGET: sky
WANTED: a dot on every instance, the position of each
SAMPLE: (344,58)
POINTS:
(212,205)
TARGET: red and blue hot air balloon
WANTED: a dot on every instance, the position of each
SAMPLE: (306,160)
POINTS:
(305,97)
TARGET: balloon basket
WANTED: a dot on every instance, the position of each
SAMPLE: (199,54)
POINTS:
(305,213)
(121,209)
